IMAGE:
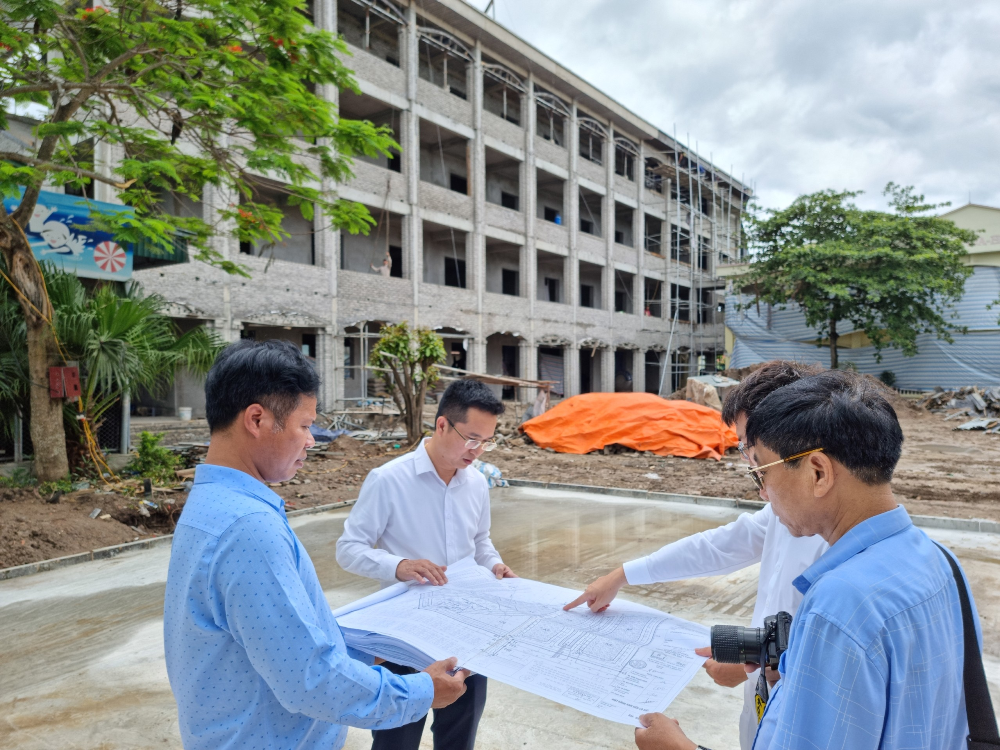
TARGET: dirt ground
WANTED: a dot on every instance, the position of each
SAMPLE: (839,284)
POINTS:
(942,473)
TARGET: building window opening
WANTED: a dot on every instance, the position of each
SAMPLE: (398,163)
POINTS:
(444,60)
(680,302)
(503,180)
(454,272)
(502,92)
(372,26)
(626,154)
(551,117)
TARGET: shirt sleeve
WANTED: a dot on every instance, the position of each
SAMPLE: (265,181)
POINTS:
(709,553)
(832,695)
(356,550)
(486,554)
(263,603)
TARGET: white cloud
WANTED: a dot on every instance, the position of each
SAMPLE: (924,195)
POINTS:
(795,94)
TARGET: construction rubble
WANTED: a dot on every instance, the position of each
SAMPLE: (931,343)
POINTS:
(981,405)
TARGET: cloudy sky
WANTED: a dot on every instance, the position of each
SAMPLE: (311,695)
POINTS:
(799,95)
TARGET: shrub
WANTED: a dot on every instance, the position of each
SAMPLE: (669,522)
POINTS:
(153,460)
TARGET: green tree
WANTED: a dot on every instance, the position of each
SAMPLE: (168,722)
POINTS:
(406,360)
(122,341)
(893,275)
(188,93)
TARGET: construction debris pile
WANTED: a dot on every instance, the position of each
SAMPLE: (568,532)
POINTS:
(981,404)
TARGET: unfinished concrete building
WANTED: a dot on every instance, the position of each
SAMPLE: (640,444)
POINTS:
(544,230)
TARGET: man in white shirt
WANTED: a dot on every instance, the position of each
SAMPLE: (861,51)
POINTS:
(751,538)
(420,513)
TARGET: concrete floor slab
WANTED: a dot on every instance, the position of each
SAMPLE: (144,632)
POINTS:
(82,650)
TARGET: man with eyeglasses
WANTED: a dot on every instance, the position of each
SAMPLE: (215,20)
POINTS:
(885,651)
(751,538)
(420,513)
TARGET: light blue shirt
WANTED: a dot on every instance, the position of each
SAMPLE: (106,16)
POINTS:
(875,653)
(254,655)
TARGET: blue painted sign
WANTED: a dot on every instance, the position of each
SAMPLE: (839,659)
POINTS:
(55,236)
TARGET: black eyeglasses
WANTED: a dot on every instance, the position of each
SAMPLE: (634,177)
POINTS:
(756,473)
(470,444)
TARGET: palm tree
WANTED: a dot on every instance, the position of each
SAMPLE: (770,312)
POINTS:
(121,341)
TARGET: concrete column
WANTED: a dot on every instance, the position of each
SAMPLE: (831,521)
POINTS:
(329,367)
(608,222)
(571,360)
(529,353)
(413,228)
(639,236)
(478,182)
(224,242)
(327,243)
(572,212)
(124,434)
(106,156)
(639,371)
(529,202)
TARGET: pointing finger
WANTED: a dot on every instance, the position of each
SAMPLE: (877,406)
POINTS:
(576,602)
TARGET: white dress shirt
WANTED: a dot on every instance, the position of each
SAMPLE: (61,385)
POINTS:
(751,538)
(406,512)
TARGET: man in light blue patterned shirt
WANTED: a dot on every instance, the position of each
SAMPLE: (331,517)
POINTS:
(254,655)
(876,650)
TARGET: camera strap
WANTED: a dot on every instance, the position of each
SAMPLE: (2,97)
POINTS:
(761,694)
(983,733)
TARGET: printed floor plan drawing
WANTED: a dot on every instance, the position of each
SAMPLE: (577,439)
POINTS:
(619,664)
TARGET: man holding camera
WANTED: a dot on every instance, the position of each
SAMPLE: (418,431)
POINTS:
(751,538)
(877,647)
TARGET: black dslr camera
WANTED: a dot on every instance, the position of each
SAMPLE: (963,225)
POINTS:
(732,644)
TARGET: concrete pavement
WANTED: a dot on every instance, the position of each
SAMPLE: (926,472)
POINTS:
(81,656)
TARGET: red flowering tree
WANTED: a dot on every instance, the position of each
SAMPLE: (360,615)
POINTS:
(186,93)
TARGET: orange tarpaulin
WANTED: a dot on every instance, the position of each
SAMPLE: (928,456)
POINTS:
(642,421)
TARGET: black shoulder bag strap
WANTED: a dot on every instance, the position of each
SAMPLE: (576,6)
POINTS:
(983,733)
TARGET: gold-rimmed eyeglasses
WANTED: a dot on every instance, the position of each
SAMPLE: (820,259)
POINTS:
(470,444)
(756,472)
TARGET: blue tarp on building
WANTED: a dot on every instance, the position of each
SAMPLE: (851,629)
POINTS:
(764,333)
(55,236)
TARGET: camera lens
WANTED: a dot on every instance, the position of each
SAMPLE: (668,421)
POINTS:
(732,644)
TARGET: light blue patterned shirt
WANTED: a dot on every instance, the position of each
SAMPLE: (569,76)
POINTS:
(875,652)
(254,655)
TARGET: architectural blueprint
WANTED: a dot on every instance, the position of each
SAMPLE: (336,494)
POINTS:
(618,665)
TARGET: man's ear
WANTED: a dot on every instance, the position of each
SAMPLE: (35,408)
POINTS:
(252,418)
(821,467)
(441,424)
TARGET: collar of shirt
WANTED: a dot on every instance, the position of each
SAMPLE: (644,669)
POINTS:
(424,465)
(858,539)
(234,479)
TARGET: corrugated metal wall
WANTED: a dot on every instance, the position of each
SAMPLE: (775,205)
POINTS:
(764,333)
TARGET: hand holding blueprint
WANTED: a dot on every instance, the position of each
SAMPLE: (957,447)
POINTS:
(619,664)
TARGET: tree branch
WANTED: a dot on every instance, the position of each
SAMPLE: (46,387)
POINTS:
(76,46)
(49,166)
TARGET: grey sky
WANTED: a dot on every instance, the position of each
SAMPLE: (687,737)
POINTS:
(799,95)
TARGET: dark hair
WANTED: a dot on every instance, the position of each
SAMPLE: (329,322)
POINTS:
(273,373)
(843,413)
(761,383)
(462,395)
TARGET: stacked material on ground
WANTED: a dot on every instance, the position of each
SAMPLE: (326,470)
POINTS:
(641,421)
(981,404)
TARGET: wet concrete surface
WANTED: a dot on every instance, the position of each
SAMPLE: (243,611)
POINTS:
(81,655)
